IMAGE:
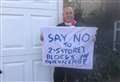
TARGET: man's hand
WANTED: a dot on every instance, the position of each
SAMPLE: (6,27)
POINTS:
(93,38)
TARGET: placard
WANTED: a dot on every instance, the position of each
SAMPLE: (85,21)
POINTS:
(70,47)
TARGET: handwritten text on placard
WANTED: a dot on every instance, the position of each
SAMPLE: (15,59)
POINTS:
(69,47)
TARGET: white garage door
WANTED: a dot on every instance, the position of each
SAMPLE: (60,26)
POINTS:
(20,46)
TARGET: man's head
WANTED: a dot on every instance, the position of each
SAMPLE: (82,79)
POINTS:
(68,14)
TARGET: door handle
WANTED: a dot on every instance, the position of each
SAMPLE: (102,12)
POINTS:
(0,71)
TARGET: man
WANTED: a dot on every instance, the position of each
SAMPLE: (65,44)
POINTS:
(60,73)
(70,74)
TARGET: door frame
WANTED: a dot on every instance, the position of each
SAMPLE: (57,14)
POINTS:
(60,11)
(1,60)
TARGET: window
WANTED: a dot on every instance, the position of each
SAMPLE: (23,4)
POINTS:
(116,37)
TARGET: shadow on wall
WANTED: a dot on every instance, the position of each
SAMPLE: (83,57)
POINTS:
(106,61)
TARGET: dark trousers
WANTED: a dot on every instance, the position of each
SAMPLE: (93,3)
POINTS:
(61,73)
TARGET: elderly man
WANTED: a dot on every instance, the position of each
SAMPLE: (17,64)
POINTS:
(72,75)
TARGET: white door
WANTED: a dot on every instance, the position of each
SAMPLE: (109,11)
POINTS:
(20,57)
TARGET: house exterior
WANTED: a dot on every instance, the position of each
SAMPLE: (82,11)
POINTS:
(91,5)
(20,49)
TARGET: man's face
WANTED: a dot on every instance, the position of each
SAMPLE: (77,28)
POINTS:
(68,14)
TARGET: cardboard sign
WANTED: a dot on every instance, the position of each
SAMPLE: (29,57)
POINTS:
(70,47)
